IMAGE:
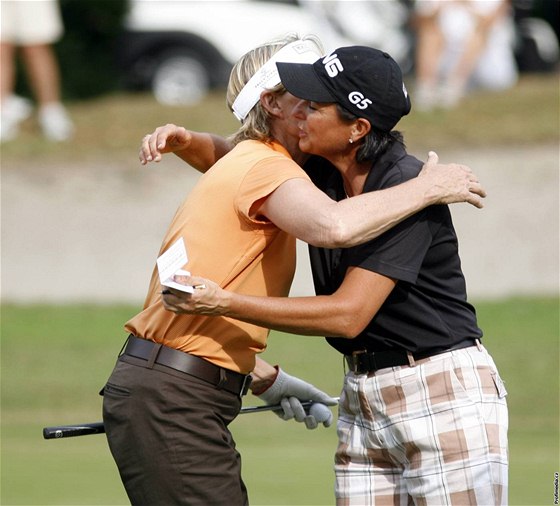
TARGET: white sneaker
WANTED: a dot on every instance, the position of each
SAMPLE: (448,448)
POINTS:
(424,98)
(14,110)
(55,122)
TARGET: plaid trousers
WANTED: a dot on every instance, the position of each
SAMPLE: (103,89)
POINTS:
(430,434)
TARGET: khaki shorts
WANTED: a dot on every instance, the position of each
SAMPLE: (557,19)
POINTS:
(25,23)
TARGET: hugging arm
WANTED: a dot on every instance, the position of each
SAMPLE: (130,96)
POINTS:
(200,150)
(301,209)
(345,313)
(436,184)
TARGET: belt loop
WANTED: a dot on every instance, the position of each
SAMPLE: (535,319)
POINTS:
(153,355)
(411,361)
(478,344)
(124,345)
(223,379)
(246,384)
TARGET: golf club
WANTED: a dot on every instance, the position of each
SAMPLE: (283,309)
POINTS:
(85,429)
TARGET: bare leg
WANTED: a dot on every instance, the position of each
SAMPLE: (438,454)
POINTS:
(429,47)
(13,109)
(7,70)
(43,73)
(458,78)
(44,76)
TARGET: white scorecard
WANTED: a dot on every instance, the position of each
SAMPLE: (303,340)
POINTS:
(170,263)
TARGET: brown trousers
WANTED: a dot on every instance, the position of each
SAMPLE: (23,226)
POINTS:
(168,433)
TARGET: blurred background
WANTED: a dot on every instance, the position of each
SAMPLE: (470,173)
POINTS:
(182,49)
(82,220)
(124,67)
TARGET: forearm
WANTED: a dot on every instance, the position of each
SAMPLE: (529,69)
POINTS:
(204,150)
(299,208)
(369,215)
(344,313)
(310,316)
(262,376)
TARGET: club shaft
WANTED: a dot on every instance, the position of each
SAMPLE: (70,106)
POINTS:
(86,429)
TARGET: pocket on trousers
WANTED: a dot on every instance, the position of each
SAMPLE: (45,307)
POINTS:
(114,390)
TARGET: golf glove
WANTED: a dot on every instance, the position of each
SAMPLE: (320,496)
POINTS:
(289,392)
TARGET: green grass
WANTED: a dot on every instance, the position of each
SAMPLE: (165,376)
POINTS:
(56,358)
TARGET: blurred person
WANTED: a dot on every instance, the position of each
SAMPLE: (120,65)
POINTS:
(179,380)
(422,416)
(461,45)
(367,23)
(31,27)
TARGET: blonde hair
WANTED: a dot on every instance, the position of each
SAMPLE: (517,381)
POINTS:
(256,125)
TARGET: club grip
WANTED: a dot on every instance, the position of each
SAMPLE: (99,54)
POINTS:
(65,431)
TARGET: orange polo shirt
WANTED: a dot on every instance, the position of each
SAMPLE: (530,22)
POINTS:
(228,244)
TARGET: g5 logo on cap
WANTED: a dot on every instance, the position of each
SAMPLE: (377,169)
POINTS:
(332,65)
(359,100)
(363,80)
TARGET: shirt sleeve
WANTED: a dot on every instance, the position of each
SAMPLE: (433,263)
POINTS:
(261,180)
(398,253)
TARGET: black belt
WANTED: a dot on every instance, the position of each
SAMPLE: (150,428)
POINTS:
(365,361)
(155,353)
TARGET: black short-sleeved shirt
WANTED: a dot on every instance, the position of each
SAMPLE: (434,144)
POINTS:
(428,308)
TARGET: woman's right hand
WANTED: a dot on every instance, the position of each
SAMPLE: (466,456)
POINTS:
(207,297)
(169,138)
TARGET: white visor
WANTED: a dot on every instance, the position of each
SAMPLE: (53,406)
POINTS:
(300,51)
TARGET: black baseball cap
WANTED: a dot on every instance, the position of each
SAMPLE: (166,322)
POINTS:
(365,81)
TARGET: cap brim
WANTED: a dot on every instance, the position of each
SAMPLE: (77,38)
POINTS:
(301,80)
